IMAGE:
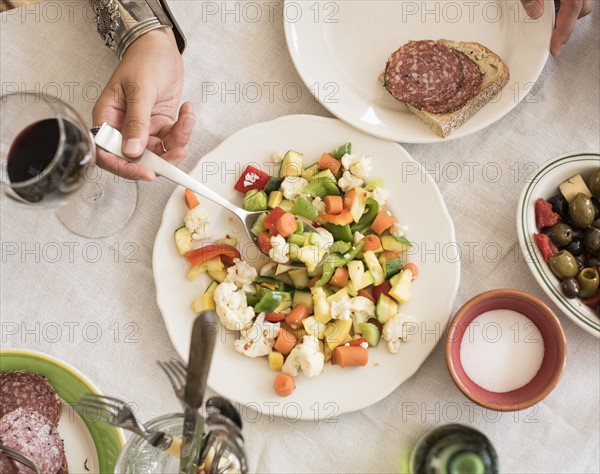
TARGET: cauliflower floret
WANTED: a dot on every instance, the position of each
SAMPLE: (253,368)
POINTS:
(357,237)
(319,204)
(380,195)
(292,187)
(359,166)
(305,357)
(326,235)
(257,339)
(232,307)
(280,249)
(348,181)
(397,330)
(398,230)
(363,309)
(341,308)
(243,275)
(348,160)
(197,222)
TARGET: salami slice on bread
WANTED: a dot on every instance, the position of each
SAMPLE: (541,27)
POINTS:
(444,83)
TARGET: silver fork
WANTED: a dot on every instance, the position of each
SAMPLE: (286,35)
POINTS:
(22,458)
(176,371)
(118,413)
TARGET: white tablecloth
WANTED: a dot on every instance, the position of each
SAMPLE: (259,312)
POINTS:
(107,298)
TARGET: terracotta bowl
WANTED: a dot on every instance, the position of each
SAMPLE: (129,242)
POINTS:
(555,349)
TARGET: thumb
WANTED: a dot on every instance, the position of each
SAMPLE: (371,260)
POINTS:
(136,126)
(534,8)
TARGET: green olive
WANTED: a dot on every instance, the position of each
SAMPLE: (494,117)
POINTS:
(589,281)
(561,234)
(582,211)
(594,183)
(563,265)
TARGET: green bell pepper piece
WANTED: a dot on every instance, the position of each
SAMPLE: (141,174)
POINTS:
(353,253)
(269,283)
(342,150)
(340,247)
(339,232)
(251,299)
(371,210)
(305,209)
(321,188)
(332,261)
(270,301)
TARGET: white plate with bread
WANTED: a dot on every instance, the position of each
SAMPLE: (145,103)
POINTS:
(341,50)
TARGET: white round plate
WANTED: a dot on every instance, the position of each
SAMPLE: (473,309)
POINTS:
(544,184)
(414,200)
(340,49)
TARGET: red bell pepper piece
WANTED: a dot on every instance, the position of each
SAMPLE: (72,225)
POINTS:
(263,242)
(201,255)
(544,214)
(251,178)
(593,301)
(384,288)
(271,221)
(546,246)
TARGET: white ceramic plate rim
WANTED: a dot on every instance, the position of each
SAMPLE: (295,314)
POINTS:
(577,312)
(309,74)
(296,122)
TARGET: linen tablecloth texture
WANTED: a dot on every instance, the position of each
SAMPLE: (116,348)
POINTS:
(95,306)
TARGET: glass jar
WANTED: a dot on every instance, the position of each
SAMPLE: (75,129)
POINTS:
(223,440)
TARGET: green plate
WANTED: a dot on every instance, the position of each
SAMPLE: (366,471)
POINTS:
(79,433)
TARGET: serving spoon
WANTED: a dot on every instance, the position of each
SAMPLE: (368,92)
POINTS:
(111,139)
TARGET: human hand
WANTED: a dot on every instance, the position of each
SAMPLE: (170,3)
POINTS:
(141,99)
(568,14)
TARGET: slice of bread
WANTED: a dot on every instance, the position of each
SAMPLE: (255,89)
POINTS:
(495,76)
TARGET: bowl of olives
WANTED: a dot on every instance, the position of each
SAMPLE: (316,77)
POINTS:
(558,225)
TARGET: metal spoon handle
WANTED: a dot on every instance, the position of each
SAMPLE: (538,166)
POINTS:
(111,140)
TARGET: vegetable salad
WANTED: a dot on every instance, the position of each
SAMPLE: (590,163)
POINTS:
(349,293)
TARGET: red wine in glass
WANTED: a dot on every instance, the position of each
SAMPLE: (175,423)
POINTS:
(40,167)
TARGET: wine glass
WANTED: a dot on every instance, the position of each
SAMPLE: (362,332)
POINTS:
(47,155)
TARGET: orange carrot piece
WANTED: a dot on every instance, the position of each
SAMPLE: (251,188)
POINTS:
(349,198)
(357,342)
(413,268)
(366,294)
(313,281)
(389,254)
(334,204)
(382,222)
(329,162)
(340,277)
(191,201)
(296,315)
(286,225)
(285,342)
(351,356)
(340,219)
(372,242)
(284,384)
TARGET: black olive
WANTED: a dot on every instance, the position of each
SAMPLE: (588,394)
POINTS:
(596,224)
(591,241)
(570,287)
(576,247)
(578,233)
(560,205)
(596,204)
(593,261)
(598,310)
